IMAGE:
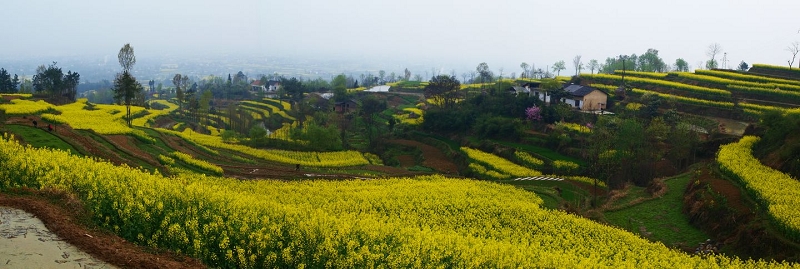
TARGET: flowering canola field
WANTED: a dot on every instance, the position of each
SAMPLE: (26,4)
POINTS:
(25,107)
(400,222)
(304,158)
(502,168)
(772,188)
(109,120)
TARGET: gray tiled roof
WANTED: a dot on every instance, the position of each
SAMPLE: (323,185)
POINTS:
(579,90)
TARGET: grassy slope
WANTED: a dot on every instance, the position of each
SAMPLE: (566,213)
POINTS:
(662,217)
(546,190)
(40,138)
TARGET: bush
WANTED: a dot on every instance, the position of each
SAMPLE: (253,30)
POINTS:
(489,126)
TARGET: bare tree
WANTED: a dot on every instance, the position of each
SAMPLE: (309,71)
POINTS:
(794,48)
(578,64)
(126,57)
(594,65)
(464,77)
(524,67)
(712,52)
(557,67)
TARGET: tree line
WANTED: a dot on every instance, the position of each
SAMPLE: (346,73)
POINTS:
(50,82)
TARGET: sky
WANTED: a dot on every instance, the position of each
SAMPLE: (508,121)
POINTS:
(443,34)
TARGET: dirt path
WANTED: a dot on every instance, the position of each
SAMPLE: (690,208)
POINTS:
(27,243)
(434,158)
(66,220)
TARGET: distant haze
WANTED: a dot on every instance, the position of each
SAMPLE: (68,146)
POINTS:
(443,34)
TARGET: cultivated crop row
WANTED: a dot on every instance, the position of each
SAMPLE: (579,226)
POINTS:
(314,159)
(502,166)
(660,83)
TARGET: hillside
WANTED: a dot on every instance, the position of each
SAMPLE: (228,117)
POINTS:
(226,222)
(362,189)
(718,93)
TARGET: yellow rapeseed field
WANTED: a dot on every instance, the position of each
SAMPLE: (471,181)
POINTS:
(429,221)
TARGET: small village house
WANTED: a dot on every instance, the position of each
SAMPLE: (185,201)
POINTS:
(346,106)
(585,98)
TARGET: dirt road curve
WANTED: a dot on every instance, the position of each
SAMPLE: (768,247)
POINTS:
(66,220)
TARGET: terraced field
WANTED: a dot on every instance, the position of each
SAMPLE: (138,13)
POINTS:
(720,93)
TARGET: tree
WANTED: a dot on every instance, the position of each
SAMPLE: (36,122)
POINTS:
(594,65)
(176,80)
(681,65)
(339,84)
(406,75)
(187,92)
(125,90)
(382,75)
(533,113)
(651,62)
(125,85)
(578,64)
(483,72)
(501,73)
(443,89)
(558,66)
(70,84)
(52,81)
(7,84)
(525,67)
(239,78)
(743,66)
(794,48)
(370,108)
(621,62)
(711,64)
(126,57)
(712,52)
(549,86)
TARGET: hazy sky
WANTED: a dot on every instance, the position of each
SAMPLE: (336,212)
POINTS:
(448,34)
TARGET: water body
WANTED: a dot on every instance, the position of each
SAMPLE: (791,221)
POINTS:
(26,243)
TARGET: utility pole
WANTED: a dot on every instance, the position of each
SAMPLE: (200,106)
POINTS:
(622,57)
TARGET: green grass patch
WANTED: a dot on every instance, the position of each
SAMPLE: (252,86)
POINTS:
(420,168)
(550,199)
(450,143)
(39,138)
(661,219)
(546,189)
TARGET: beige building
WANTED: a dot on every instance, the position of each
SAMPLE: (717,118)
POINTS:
(585,98)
